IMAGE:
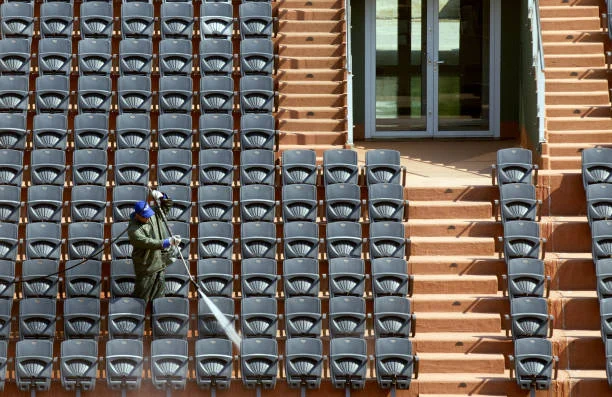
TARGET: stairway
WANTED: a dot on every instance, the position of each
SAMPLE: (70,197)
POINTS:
(311,77)
(577,96)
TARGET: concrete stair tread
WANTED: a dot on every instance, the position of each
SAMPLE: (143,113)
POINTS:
(445,239)
(454,362)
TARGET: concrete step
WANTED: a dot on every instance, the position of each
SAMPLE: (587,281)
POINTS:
(561,162)
(306,62)
(468,383)
(573,48)
(576,310)
(452,284)
(461,303)
(312,112)
(570,23)
(576,123)
(312,87)
(312,138)
(311,125)
(561,11)
(574,60)
(314,50)
(453,228)
(310,75)
(310,14)
(570,37)
(311,26)
(567,149)
(457,362)
(577,73)
(311,38)
(457,322)
(462,343)
(565,3)
(310,4)
(571,271)
(578,136)
(450,210)
(578,98)
(573,85)
(306,100)
(582,111)
(452,246)
(446,192)
(457,265)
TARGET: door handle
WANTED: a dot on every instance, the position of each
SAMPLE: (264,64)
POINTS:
(439,62)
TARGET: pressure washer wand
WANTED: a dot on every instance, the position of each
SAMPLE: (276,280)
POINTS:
(226,325)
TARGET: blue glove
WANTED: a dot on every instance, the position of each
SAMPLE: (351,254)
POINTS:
(166,243)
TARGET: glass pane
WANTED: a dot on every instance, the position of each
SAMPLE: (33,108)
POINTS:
(463,65)
(401,79)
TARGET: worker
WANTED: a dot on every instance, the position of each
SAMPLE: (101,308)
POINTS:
(153,247)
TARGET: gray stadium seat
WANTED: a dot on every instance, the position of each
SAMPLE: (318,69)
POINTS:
(216,20)
(208,325)
(86,240)
(347,317)
(88,203)
(17,20)
(259,363)
(533,363)
(257,203)
(122,278)
(599,202)
(81,318)
(343,203)
(7,279)
(216,167)
(9,242)
(215,203)
(89,167)
(33,362)
(175,58)
(596,166)
(386,203)
(216,131)
(55,56)
(79,364)
(50,131)
(514,165)
(299,203)
(39,278)
(301,240)
(216,277)
(94,94)
(608,350)
(522,240)
(383,166)
(343,240)
(91,131)
(174,167)
(257,131)
(518,202)
(37,318)
(529,318)
(10,203)
(96,19)
(216,94)
(95,55)
(257,57)
(43,240)
(169,364)
(301,277)
(213,364)
(258,277)
(5,321)
(174,131)
(3,362)
(256,20)
(121,247)
(175,94)
(126,317)
(387,240)
(303,317)
(176,280)
(84,280)
(395,363)
(137,20)
(48,167)
(135,56)
(52,94)
(258,317)
(124,361)
(346,277)
(131,167)
(258,240)
(44,203)
(348,362)
(133,131)
(14,94)
(526,278)
(304,362)
(15,56)
(134,94)
(177,21)
(183,230)
(181,203)
(257,94)
(340,166)
(215,240)
(216,57)
(393,317)
(299,167)
(170,317)
(603,272)
(257,167)
(13,130)
(56,20)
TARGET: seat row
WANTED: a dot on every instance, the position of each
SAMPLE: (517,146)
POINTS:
(96,20)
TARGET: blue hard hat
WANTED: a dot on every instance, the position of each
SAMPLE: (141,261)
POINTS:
(143,209)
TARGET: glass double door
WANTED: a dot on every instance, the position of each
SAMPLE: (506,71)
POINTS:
(433,68)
